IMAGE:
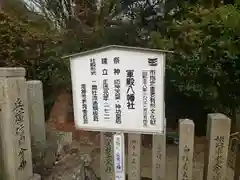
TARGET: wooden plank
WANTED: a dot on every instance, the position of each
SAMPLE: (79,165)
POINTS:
(215,166)
(134,159)
(159,157)
(186,149)
(107,164)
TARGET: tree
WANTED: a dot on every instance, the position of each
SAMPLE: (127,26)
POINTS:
(206,63)
(27,41)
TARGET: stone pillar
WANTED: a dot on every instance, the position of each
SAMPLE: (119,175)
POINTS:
(134,156)
(186,149)
(14,125)
(107,164)
(218,132)
(37,118)
(159,157)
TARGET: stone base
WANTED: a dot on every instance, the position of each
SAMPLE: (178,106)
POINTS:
(35,177)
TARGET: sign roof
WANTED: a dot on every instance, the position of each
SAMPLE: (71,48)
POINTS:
(116,47)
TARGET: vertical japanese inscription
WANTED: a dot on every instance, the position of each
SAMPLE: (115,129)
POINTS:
(18,114)
(106,99)
(134,159)
(95,102)
(106,105)
(118,158)
(152,97)
(218,161)
(117,85)
(145,96)
(118,113)
(108,154)
(130,89)
(158,156)
(104,70)
(84,103)
(93,66)
(185,159)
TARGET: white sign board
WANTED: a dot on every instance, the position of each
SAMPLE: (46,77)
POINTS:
(119,89)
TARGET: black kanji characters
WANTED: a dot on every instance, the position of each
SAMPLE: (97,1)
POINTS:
(116,71)
(104,72)
(116,60)
(130,91)
(95,102)
(84,103)
(104,61)
(93,66)
(152,61)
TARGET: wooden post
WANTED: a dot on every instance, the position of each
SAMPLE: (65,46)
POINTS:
(14,125)
(218,132)
(159,157)
(134,156)
(107,161)
(186,149)
(37,119)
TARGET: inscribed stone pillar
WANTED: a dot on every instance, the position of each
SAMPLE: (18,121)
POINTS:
(218,132)
(186,149)
(37,118)
(14,125)
(134,156)
(107,164)
(159,157)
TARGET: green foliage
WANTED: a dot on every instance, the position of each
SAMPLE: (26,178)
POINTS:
(206,61)
(203,34)
(24,45)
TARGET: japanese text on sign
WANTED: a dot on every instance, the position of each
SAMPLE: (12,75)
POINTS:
(145,97)
(95,102)
(120,90)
